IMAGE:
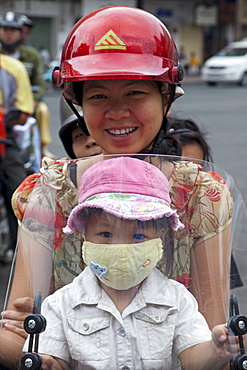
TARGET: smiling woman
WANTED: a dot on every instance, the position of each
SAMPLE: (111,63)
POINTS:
(125,86)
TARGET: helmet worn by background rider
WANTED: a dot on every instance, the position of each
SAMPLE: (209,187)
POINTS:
(23,19)
(10,19)
(68,120)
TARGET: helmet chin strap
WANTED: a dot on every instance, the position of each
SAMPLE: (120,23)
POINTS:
(81,121)
(161,134)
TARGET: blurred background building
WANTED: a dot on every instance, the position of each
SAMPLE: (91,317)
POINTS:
(199,27)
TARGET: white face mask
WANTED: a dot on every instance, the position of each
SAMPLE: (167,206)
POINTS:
(122,266)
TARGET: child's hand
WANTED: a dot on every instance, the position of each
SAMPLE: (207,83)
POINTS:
(48,362)
(52,363)
(225,343)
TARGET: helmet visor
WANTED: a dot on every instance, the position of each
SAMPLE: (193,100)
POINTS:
(114,65)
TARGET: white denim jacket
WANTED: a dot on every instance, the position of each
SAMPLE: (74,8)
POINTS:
(85,329)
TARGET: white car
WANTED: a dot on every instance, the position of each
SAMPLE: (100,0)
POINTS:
(228,65)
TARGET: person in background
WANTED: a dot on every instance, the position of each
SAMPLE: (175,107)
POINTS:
(16,104)
(11,35)
(45,57)
(27,25)
(194,64)
(183,58)
(191,138)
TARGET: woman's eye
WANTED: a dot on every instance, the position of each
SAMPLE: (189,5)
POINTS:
(139,236)
(136,92)
(106,234)
(97,96)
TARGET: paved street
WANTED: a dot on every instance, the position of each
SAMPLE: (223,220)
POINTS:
(220,110)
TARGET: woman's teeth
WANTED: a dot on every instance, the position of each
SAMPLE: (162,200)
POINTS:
(123,131)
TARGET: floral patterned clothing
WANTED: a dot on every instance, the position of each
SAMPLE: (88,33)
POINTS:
(201,199)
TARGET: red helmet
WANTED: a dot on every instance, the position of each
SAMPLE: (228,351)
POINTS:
(119,42)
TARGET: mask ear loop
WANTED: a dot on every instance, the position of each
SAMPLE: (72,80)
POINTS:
(81,121)
(161,134)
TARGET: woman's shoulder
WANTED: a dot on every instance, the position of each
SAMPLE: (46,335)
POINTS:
(194,175)
(52,173)
(202,198)
(190,182)
(55,165)
(55,173)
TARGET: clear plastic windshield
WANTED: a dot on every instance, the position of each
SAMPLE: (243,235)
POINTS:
(114,294)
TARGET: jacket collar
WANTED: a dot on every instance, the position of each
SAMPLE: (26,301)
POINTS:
(151,291)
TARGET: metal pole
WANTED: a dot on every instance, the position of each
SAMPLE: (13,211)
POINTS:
(238,19)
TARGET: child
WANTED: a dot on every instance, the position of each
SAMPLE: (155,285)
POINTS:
(121,312)
(192,139)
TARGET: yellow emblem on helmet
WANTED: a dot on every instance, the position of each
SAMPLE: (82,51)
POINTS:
(110,41)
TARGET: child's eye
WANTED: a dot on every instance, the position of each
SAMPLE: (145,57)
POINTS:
(79,135)
(106,234)
(139,236)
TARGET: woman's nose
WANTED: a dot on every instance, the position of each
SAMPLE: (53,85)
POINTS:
(117,111)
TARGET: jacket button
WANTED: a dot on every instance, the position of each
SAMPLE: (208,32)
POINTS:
(85,326)
(122,332)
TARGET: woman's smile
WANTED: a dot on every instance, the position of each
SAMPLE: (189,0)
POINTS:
(118,132)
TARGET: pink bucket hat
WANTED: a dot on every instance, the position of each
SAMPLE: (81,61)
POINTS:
(126,187)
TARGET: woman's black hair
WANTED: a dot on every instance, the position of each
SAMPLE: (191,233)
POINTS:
(186,131)
(77,88)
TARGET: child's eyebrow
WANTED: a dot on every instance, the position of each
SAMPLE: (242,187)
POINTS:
(103,224)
